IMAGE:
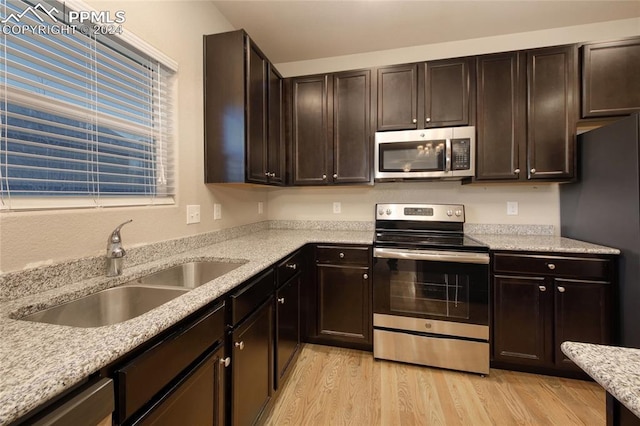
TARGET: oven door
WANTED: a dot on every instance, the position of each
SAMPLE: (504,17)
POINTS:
(439,285)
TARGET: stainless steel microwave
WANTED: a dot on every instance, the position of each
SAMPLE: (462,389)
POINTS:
(445,153)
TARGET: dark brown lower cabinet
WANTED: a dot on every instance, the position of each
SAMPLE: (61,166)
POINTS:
(197,400)
(252,365)
(287,327)
(343,308)
(540,301)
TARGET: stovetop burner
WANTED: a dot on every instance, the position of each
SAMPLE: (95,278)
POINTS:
(423,226)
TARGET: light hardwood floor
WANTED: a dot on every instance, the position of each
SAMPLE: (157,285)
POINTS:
(334,386)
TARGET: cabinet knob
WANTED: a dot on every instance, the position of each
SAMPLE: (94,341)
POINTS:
(561,289)
(335,176)
(542,288)
(267,174)
(324,177)
(272,175)
(551,266)
(428,120)
(341,255)
(225,361)
(293,266)
(239,345)
(281,300)
(415,120)
(365,276)
(516,171)
(533,171)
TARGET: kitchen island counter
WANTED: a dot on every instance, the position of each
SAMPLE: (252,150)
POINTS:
(616,369)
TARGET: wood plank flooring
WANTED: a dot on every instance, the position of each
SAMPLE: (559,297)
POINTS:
(334,386)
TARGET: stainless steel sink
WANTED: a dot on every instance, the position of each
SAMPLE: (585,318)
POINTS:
(189,275)
(107,307)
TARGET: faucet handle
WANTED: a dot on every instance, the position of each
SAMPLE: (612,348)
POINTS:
(115,235)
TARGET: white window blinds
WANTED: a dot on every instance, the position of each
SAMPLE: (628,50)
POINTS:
(82,116)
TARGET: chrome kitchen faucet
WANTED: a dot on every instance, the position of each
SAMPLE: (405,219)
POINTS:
(115,252)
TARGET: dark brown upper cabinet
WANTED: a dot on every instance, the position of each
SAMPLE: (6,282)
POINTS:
(331,128)
(527,114)
(431,94)
(243,112)
(610,83)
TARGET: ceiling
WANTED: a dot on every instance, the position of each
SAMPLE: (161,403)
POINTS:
(289,31)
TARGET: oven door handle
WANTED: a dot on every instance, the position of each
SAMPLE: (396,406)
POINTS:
(432,255)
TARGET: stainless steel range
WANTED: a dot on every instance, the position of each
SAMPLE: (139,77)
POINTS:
(430,288)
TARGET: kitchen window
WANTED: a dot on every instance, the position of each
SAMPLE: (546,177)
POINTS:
(85,117)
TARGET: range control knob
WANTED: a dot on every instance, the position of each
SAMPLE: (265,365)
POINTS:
(449,213)
(380,212)
(388,212)
(458,212)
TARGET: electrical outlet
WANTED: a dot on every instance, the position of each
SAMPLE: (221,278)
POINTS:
(337,207)
(193,214)
(512,208)
(217,211)
(260,207)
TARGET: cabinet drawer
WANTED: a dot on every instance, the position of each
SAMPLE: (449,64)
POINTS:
(344,255)
(557,266)
(249,297)
(146,375)
(289,267)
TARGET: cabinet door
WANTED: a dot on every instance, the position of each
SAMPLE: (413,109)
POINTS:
(398,97)
(552,76)
(344,304)
(196,400)
(522,320)
(582,314)
(447,86)
(257,68)
(310,130)
(287,326)
(352,127)
(252,366)
(276,158)
(610,83)
(501,122)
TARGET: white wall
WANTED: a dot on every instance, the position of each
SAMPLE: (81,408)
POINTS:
(484,204)
(176,28)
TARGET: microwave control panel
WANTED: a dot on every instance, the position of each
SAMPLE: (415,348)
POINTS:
(460,154)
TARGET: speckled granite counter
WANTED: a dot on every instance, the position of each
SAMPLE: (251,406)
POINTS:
(616,369)
(40,360)
(545,243)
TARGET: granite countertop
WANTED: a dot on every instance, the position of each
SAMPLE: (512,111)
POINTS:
(543,243)
(39,360)
(615,368)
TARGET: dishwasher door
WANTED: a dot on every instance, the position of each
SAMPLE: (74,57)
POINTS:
(92,406)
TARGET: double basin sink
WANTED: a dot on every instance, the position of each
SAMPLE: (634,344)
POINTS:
(133,298)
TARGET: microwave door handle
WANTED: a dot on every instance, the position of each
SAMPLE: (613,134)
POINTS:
(447,158)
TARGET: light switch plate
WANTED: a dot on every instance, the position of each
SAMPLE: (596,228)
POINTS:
(217,211)
(337,207)
(193,214)
(260,207)
(512,208)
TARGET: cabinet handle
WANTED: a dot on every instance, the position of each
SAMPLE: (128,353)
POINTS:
(335,176)
(533,171)
(516,171)
(225,361)
(293,266)
(272,175)
(551,266)
(281,300)
(542,288)
(266,174)
(415,120)
(239,345)
(365,276)
(324,177)
(561,289)
(341,255)
(428,120)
